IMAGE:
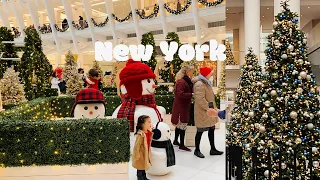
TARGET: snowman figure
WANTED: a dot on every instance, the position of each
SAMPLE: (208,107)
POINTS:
(163,156)
(89,103)
(137,94)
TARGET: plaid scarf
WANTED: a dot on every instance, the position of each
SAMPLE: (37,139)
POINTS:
(171,158)
(128,107)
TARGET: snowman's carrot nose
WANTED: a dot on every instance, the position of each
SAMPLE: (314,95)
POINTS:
(155,86)
(90,112)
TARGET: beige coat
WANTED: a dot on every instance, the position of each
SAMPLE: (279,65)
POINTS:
(141,157)
(203,94)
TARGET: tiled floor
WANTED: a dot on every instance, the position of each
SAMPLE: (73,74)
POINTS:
(189,167)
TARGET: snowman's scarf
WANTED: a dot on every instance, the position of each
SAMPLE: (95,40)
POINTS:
(171,158)
(128,107)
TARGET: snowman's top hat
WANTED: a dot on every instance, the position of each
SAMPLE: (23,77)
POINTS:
(88,96)
(132,75)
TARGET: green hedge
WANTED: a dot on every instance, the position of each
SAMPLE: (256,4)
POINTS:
(47,108)
(51,92)
(64,142)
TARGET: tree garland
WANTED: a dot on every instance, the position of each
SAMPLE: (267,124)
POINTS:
(210,4)
(46,30)
(152,15)
(60,29)
(177,12)
(102,24)
(79,27)
(124,19)
(148,39)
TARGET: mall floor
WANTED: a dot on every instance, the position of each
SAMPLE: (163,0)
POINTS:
(190,167)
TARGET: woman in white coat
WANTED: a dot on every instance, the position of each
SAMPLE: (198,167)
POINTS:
(55,82)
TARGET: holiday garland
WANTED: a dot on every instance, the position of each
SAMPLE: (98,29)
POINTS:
(177,12)
(79,27)
(45,29)
(124,19)
(210,4)
(102,24)
(61,29)
(152,15)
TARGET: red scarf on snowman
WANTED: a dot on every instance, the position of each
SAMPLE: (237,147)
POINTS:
(131,77)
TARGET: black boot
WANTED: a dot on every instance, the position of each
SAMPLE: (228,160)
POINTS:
(213,150)
(197,142)
(176,136)
(140,174)
(181,146)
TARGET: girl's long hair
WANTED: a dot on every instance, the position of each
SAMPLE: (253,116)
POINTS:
(141,121)
(183,71)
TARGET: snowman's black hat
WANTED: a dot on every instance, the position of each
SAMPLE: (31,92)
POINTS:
(88,96)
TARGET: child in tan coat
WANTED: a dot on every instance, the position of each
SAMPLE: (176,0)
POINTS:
(141,157)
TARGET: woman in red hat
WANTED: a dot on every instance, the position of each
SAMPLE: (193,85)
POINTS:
(205,110)
(183,92)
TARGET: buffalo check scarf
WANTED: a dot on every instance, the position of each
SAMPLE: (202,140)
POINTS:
(128,106)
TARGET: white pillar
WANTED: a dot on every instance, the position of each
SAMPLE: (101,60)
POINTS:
(4,18)
(110,10)
(242,49)
(195,14)
(19,17)
(294,6)
(133,5)
(252,26)
(163,18)
(34,14)
(57,60)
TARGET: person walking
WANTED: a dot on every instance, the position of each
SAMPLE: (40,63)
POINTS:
(183,92)
(205,110)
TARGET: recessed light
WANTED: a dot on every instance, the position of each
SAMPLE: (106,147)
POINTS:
(308,7)
(263,16)
(267,8)
(227,9)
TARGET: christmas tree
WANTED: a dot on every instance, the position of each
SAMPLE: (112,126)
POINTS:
(241,129)
(96,66)
(230,58)
(11,87)
(148,39)
(34,64)
(176,62)
(288,111)
(8,51)
(222,83)
(70,74)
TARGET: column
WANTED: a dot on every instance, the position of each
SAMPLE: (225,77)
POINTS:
(294,6)
(34,14)
(241,40)
(163,18)
(195,14)
(57,60)
(110,10)
(252,26)
(133,5)
(236,44)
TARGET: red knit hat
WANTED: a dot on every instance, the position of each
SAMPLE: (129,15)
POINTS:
(205,71)
(132,75)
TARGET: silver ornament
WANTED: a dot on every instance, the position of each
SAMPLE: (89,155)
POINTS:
(262,129)
(283,166)
(266,173)
(265,115)
(310,126)
(273,92)
(291,47)
(300,61)
(299,90)
(298,140)
(315,164)
(251,114)
(308,77)
(275,24)
(284,56)
(273,120)
(314,149)
(272,109)
(311,116)
(235,134)
(293,115)
(264,95)
(305,41)
(303,74)
(246,113)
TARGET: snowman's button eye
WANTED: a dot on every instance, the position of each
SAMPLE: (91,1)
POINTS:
(149,80)
(85,108)
(96,108)
(168,130)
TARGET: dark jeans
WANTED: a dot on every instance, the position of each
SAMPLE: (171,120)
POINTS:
(141,173)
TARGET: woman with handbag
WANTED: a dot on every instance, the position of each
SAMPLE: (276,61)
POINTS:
(205,110)
(183,92)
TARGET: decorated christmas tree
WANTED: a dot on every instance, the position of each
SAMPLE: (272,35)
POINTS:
(96,66)
(11,87)
(288,112)
(230,58)
(176,62)
(70,74)
(241,130)
(222,83)
(8,51)
(34,64)
(148,39)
